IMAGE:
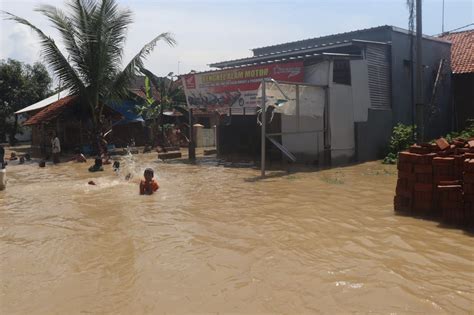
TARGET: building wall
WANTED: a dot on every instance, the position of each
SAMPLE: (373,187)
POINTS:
(306,146)
(439,121)
(372,136)
(341,124)
(463,92)
(360,89)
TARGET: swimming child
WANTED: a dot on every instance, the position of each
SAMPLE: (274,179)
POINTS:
(13,156)
(149,185)
(42,163)
(116,166)
(97,165)
(22,160)
(78,156)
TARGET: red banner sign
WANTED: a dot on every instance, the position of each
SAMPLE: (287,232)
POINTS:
(236,87)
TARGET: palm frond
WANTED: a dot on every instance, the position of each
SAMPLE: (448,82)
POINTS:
(68,33)
(136,64)
(53,57)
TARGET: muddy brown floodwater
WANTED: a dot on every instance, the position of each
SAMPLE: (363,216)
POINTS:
(216,239)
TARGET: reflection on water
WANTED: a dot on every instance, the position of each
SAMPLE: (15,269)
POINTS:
(217,239)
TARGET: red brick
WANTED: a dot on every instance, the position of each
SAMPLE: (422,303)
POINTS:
(423,195)
(461,151)
(459,143)
(423,168)
(424,178)
(468,177)
(419,149)
(450,187)
(422,206)
(468,188)
(406,175)
(405,167)
(402,203)
(426,158)
(454,214)
(423,187)
(407,157)
(449,182)
(469,214)
(470,143)
(442,143)
(468,198)
(437,179)
(468,165)
(443,161)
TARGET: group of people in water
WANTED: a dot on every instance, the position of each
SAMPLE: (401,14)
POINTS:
(148,185)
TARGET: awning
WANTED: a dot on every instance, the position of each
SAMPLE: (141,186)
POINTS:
(127,110)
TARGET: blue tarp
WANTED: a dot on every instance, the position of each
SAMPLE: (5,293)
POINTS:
(127,110)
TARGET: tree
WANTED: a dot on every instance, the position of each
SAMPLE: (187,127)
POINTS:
(93,33)
(20,85)
(171,96)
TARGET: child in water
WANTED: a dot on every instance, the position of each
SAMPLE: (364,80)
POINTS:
(78,156)
(149,185)
(97,165)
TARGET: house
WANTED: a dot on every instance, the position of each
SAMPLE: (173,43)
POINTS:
(69,119)
(364,76)
(462,65)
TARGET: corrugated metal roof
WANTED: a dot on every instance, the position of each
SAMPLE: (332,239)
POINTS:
(302,41)
(349,34)
(289,55)
(43,103)
(462,51)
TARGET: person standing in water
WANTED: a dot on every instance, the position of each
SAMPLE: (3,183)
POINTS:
(55,147)
(149,185)
(3,173)
(2,157)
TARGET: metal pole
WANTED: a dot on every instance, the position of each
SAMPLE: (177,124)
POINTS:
(298,108)
(191,148)
(264,121)
(419,74)
(442,20)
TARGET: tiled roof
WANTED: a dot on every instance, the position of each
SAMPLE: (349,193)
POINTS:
(57,108)
(52,111)
(462,51)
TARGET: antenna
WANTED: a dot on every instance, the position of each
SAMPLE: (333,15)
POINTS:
(442,20)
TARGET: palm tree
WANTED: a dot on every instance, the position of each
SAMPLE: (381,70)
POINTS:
(93,33)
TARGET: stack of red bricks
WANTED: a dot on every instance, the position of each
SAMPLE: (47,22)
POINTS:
(468,185)
(437,179)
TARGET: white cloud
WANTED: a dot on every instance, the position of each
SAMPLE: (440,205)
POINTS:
(19,43)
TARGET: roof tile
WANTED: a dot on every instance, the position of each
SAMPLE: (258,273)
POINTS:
(462,51)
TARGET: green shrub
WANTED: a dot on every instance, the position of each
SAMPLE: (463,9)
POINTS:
(401,139)
(465,134)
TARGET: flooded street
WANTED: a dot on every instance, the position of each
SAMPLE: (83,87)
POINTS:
(217,239)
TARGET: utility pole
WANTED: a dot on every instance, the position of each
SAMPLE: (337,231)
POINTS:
(419,75)
(191,144)
(442,21)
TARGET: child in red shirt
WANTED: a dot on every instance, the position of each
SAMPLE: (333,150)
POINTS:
(149,185)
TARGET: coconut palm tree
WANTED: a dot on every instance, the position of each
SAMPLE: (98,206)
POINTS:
(93,33)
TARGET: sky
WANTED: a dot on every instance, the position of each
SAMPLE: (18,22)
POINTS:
(209,31)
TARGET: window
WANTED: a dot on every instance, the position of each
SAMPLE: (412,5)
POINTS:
(342,72)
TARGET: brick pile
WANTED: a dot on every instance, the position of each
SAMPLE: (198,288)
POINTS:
(468,181)
(437,180)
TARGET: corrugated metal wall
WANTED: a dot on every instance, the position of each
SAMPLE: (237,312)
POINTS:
(378,62)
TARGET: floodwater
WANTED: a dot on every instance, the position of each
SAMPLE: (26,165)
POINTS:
(217,239)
